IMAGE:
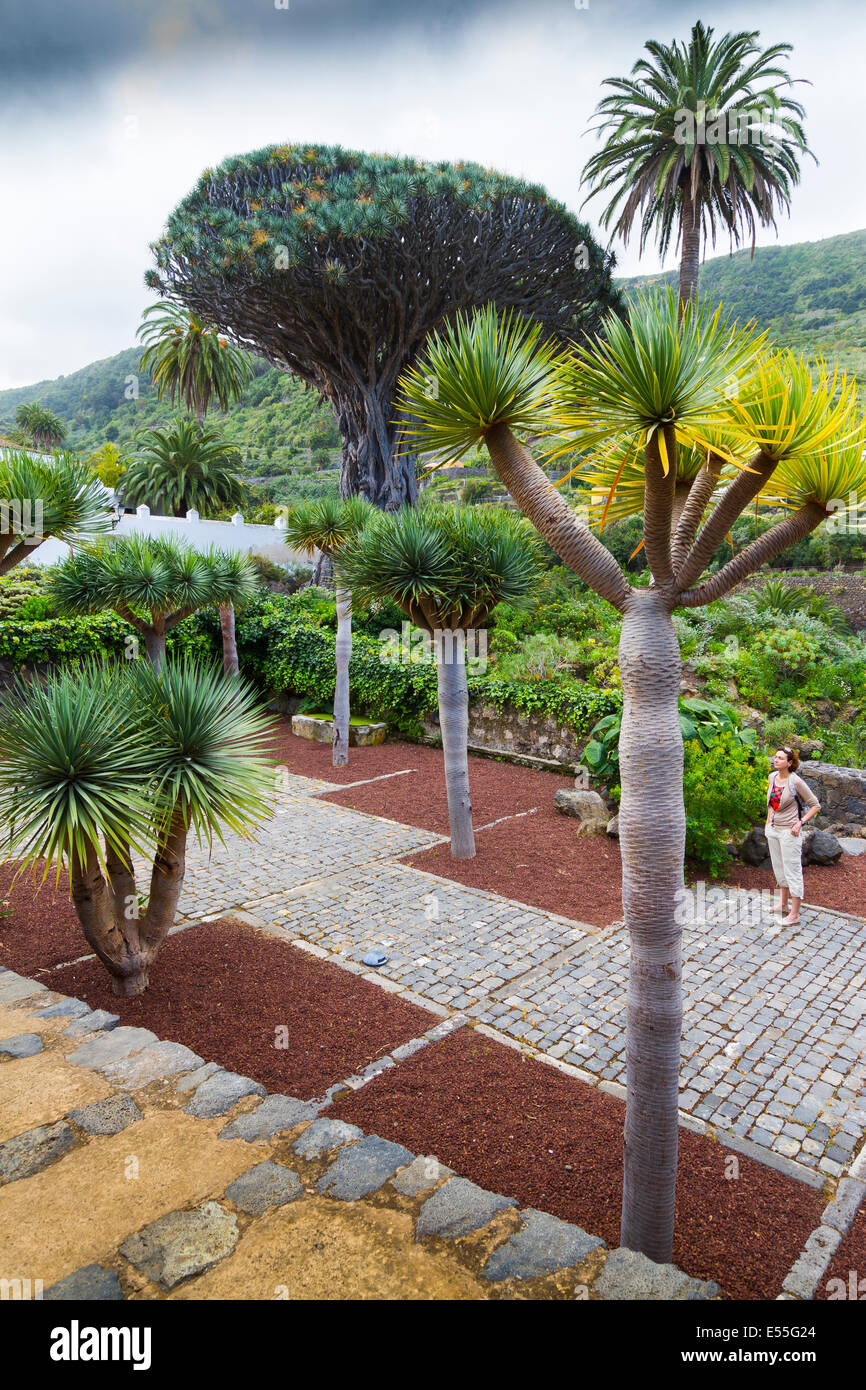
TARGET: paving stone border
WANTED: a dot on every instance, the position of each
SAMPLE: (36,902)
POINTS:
(184,1243)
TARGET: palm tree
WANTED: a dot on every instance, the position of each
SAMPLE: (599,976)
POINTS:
(152,584)
(186,357)
(447,568)
(56,497)
(184,466)
(327,526)
(96,764)
(687,145)
(656,383)
(46,429)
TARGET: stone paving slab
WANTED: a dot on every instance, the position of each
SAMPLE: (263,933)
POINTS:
(446,942)
(774,1037)
(306,839)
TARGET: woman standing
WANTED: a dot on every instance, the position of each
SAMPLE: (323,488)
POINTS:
(786,795)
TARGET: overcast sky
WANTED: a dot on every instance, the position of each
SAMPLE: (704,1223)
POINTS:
(110,109)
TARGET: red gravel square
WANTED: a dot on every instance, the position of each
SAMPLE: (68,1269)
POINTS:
(225,990)
(38,927)
(518,1126)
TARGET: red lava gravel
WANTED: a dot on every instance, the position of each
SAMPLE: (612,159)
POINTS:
(38,927)
(512,1125)
(850,1259)
(223,989)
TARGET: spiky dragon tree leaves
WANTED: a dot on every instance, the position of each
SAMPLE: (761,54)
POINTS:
(326,524)
(782,411)
(831,474)
(74,770)
(483,369)
(663,367)
(208,741)
(445,566)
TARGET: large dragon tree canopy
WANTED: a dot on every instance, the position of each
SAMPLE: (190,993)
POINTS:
(336,264)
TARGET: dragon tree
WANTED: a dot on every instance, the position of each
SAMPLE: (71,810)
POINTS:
(335,264)
(643,396)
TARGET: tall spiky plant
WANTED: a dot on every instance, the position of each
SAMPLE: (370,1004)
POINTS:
(42,498)
(329,525)
(447,568)
(152,584)
(655,384)
(702,135)
(98,763)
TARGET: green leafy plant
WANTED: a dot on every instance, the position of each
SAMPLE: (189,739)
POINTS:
(725,794)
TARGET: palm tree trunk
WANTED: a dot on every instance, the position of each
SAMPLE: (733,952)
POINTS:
(690,255)
(454,725)
(343,652)
(652,841)
(230,645)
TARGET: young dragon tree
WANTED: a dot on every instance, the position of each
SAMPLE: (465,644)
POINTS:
(330,526)
(153,584)
(99,764)
(654,383)
(447,568)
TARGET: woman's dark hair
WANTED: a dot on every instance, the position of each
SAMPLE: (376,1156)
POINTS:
(793,758)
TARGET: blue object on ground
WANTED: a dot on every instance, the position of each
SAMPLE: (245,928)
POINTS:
(374,958)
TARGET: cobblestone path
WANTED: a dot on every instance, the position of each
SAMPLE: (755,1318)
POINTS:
(774,1044)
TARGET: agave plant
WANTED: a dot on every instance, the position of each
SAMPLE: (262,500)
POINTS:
(99,765)
(152,583)
(447,568)
(58,497)
(662,381)
(329,525)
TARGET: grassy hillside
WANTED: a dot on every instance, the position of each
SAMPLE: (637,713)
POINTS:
(811,297)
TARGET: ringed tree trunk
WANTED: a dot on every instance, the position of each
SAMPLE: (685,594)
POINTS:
(652,840)
(370,438)
(230,645)
(690,255)
(450,652)
(343,651)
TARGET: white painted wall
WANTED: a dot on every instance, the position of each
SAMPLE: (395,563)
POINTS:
(236,534)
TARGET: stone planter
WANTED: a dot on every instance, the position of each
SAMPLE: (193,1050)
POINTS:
(322,731)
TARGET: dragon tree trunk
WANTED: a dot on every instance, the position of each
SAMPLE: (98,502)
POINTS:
(230,644)
(652,840)
(373,463)
(454,726)
(340,755)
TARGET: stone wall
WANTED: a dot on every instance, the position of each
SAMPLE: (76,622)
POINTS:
(846,590)
(510,731)
(840,790)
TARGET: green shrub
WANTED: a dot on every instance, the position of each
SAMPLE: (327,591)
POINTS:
(63,639)
(724,787)
(790,651)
